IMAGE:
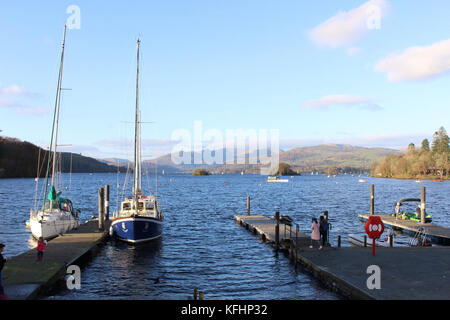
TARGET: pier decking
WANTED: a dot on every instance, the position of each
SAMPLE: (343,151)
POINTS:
(25,278)
(438,234)
(406,273)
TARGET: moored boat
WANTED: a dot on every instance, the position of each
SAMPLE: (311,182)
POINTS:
(139,218)
(57,215)
(276,179)
(409,214)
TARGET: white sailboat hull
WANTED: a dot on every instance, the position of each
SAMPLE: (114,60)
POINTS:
(51,224)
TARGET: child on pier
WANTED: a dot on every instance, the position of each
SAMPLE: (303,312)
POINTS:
(315,235)
(41,245)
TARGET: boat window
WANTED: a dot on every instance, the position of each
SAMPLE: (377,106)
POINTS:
(140,205)
(149,206)
(126,206)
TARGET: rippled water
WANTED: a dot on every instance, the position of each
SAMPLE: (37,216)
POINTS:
(201,245)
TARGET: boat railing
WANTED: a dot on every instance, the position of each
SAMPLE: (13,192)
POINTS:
(420,238)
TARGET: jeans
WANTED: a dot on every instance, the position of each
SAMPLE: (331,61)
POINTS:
(324,237)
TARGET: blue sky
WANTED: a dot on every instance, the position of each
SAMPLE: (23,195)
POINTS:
(314,70)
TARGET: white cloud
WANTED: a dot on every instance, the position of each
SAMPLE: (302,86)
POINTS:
(348,27)
(12,96)
(354,51)
(342,100)
(417,63)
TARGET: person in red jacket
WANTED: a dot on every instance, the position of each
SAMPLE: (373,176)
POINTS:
(41,245)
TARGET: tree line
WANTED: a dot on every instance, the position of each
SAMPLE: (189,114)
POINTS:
(21,160)
(419,162)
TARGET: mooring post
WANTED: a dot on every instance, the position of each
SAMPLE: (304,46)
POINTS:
(372,199)
(248,206)
(107,202)
(195,293)
(391,240)
(277,230)
(101,207)
(339,242)
(422,206)
(365,241)
(201,295)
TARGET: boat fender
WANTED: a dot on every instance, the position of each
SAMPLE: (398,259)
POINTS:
(111,231)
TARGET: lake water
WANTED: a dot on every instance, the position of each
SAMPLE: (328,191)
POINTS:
(201,245)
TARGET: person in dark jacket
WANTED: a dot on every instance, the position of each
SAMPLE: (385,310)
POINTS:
(2,264)
(323,227)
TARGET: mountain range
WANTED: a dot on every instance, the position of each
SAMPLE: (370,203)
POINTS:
(302,159)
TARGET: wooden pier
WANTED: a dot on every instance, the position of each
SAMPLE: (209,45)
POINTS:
(25,278)
(437,234)
(406,273)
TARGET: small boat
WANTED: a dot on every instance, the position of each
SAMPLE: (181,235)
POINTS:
(276,179)
(410,214)
(437,180)
(418,181)
(139,218)
(362,180)
(57,215)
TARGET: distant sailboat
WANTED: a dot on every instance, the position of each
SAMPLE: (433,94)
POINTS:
(139,218)
(57,215)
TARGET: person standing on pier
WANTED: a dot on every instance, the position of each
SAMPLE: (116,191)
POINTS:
(2,264)
(315,235)
(41,245)
(323,226)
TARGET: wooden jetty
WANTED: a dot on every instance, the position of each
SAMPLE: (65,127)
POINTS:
(437,234)
(418,273)
(24,278)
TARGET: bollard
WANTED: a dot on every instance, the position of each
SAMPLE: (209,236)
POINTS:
(372,199)
(107,202)
(339,242)
(248,206)
(195,293)
(101,216)
(201,295)
(422,206)
(277,230)
(365,241)
(391,240)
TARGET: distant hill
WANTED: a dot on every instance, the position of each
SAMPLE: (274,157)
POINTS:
(305,159)
(334,155)
(19,159)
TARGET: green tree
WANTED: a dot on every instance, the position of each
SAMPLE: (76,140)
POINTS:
(440,141)
(425,145)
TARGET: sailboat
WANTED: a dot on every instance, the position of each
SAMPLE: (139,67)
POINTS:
(57,215)
(139,218)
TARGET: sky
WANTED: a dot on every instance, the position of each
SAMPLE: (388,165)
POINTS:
(367,73)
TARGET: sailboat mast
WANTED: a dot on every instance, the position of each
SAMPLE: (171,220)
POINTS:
(54,137)
(137,137)
(58,107)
